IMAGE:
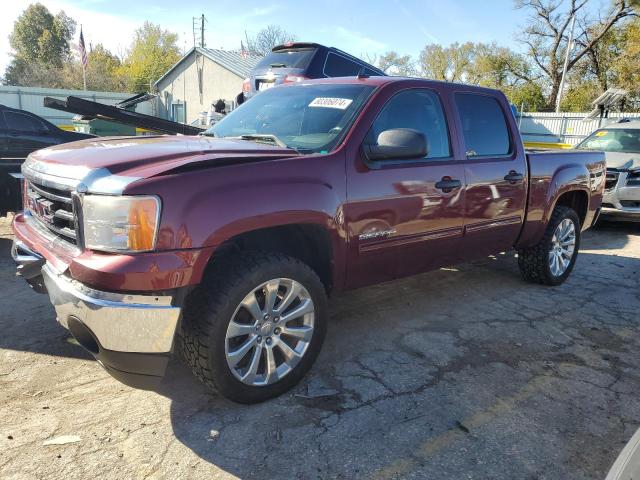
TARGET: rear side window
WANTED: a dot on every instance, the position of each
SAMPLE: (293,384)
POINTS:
(292,58)
(484,126)
(23,123)
(339,66)
(418,109)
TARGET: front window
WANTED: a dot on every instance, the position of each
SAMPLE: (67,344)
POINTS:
(307,118)
(418,109)
(620,140)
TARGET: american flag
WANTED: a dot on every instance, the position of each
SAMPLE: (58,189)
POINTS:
(83,50)
(243,51)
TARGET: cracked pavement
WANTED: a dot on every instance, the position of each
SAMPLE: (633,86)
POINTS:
(465,372)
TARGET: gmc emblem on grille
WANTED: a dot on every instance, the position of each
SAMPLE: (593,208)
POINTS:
(43,209)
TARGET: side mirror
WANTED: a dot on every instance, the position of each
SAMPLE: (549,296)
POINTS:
(398,143)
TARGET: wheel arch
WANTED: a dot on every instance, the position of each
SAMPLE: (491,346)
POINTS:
(311,243)
(577,199)
(569,186)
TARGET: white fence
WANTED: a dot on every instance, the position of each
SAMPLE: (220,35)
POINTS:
(31,98)
(562,127)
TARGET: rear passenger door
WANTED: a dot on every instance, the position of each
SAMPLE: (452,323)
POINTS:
(495,172)
(405,216)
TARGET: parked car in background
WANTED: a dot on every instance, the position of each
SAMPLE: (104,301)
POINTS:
(21,133)
(229,243)
(294,62)
(620,143)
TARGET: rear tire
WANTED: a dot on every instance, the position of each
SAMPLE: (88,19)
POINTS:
(536,263)
(219,324)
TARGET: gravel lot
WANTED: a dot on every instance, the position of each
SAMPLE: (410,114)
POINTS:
(460,373)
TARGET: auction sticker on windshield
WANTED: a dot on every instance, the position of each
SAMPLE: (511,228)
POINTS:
(331,102)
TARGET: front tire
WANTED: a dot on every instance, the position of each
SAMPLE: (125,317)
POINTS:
(254,326)
(551,261)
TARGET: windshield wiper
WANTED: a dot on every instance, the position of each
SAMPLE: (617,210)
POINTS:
(277,65)
(264,138)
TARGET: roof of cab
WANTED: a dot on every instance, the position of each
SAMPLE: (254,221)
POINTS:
(379,81)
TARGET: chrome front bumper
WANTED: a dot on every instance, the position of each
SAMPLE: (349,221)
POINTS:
(130,335)
(29,265)
(120,322)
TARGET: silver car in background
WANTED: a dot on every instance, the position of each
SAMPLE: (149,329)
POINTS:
(620,143)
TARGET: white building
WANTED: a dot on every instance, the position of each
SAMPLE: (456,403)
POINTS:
(201,78)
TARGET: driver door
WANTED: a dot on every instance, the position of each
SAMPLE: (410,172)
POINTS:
(405,216)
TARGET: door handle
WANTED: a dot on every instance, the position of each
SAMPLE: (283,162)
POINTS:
(514,177)
(447,184)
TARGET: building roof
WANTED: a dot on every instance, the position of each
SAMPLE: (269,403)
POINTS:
(233,61)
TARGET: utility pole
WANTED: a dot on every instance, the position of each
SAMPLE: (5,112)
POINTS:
(566,63)
(202,31)
(198,24)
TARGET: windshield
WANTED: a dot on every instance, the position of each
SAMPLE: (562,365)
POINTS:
(307,118)
(294,58)
(622,140)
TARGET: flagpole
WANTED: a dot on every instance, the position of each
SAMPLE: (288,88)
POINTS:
(83,59)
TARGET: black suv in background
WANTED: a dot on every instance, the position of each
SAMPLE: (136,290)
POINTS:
(21,133)
(294,62)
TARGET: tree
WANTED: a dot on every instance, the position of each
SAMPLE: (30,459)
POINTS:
(39,36)
(394,64)
(40,44)
(546,35)
(527,96)
(580,94)
(104,72)
(262,42)
(627,65)
(497,67)
(152,53)
(25,73)
(446,63)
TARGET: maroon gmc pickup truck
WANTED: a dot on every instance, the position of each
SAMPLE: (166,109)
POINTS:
(226,246)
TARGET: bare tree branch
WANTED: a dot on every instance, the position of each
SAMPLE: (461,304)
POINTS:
(546,34)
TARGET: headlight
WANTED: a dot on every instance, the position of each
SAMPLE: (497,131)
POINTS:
(120,224)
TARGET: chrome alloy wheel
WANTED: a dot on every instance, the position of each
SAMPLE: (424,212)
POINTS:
(563,245)
(270,332)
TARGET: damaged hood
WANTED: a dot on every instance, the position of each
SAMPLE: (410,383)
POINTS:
(106,165)
(622,161)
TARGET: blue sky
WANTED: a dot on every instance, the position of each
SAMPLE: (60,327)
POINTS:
(371,27)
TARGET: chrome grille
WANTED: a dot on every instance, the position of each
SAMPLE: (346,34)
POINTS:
(611,179)
(53,207)
(633,179)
